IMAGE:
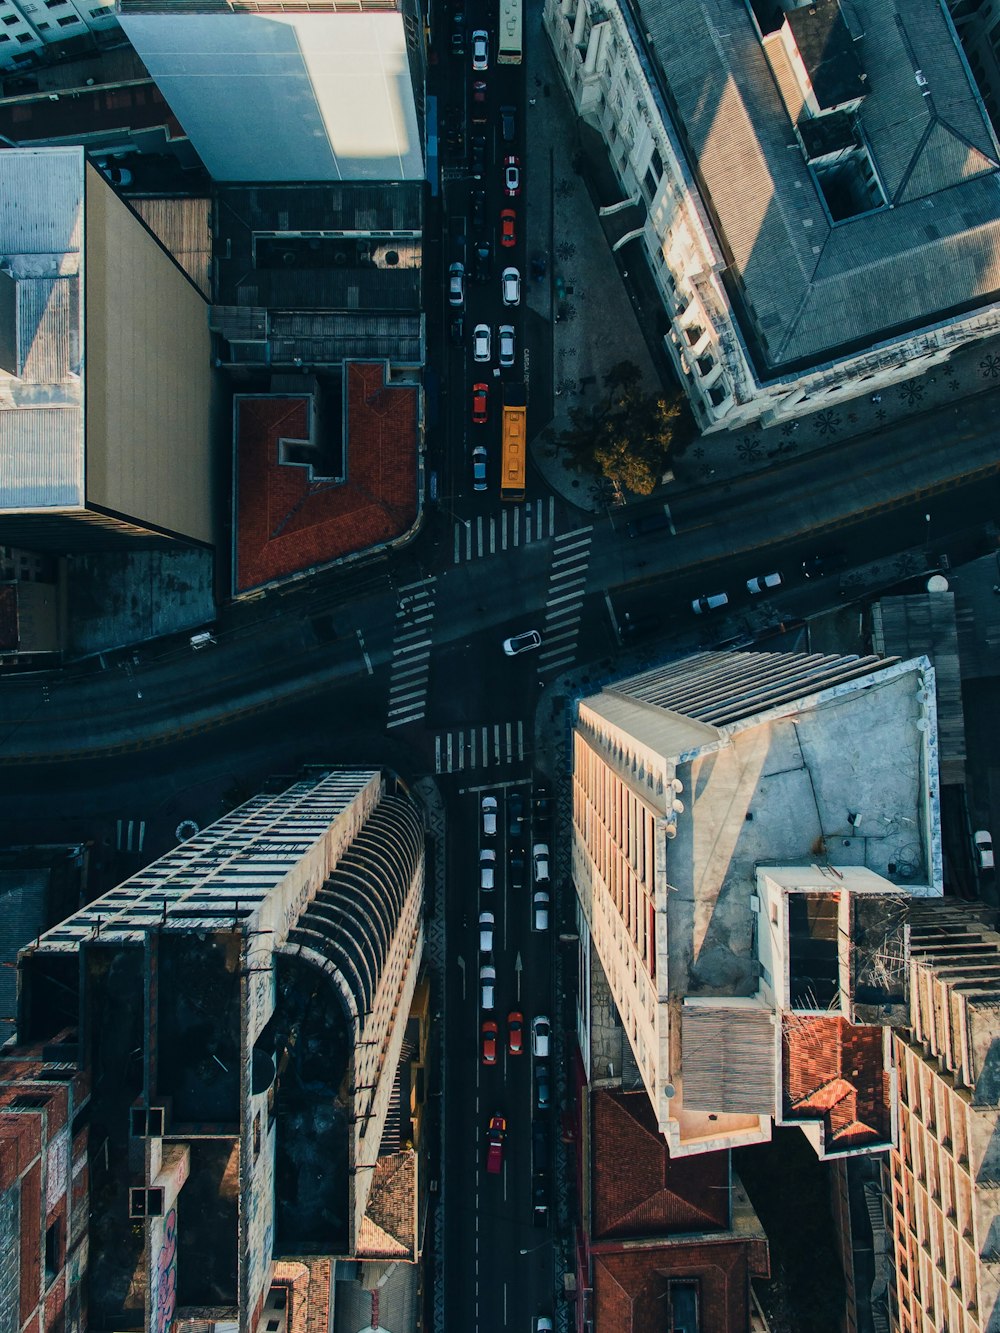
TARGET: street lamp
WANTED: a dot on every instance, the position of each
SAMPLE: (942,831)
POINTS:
(541,1246)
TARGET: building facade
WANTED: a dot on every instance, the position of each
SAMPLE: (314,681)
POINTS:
(943,1179)
(749,934)
(780,163)
(29,31)
(242,1007)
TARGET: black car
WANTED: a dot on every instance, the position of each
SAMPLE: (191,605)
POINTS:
(647,523)
(515,814)
(515,872)
(458,331)
(458,34)
(478,155)
(482,261)
(478,201)
(541,807)
(818,566)
(539,1147)
(508,123)
(540,1202)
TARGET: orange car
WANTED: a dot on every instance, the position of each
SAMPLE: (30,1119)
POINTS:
(489,1042)
(508,227)
(515,1034)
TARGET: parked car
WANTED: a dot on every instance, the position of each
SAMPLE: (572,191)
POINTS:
(487,986)
(515,868)
(713,601)
(479,102)
(481,342)
(487,922)
(489,1039)
(489,810)
(495,1136)
(543,1324)
(506,344)
(458,331)
(508,227)
(982,841)
(539,1145)
(478,155)
(540,857)
(478,200)
(511,176)
(480,404)
(115,174)
(458,34)
(510,286)
(638,527)
(539,1202)
(456,284)
(508,123)
(540,1037)
(522,643)
(515,814)
(515,1033)
(764,583)
(480,49)
(483,261)
(487,869)
(541,903)
(818,566)
(479,468)
(541,1087)
(541,806)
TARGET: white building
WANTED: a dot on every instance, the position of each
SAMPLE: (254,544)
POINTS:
(732,814)
(816,189)
(287,92)
(27,27)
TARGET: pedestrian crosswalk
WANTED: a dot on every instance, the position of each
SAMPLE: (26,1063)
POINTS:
(515,525)
(567,584)
(478,747)
(411,652)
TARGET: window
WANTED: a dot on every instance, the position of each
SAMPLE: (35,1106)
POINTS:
(102,12)
(55,4)
(52,1264)
(11,20)
(23,37)
(68,21)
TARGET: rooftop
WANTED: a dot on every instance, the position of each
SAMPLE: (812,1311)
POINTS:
(834,1074)
(811,283)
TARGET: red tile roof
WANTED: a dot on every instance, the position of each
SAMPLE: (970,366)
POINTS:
(637,1189)
(631,1289)
(834,1071)
(286,523)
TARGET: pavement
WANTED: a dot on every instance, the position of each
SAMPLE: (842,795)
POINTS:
(610,312)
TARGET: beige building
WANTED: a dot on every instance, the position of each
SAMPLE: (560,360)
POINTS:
(817,225)
(943,1187)
(105,367)
(745,828)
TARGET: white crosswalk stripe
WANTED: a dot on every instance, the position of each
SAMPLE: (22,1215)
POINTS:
(515,525)
(411,652)
(479,747)
(567,585)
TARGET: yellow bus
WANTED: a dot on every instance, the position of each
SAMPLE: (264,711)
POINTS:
(509,51)
(514,458)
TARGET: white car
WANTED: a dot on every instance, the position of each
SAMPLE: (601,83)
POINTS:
(456,285)
(543,1324)
(510,286)
(480,49)
(540,856)
(486,923)
(506,344)
(983,843)
(714,601)
(541,910)
(487,985)
(764,583)
(540,1037)
(489,816)
(522,643)
(481,342)
(487,869)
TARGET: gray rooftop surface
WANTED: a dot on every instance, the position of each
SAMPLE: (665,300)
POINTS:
(814,287)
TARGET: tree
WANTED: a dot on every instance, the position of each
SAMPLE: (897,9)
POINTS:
(629,437)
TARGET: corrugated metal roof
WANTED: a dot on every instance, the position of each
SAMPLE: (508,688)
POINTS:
(41,457)
(729,1059)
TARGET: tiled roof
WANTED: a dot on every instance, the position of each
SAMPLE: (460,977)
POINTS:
(388,1228)
(630,1290)
(834,1072)
(637,1189)
(286,523)
(728,1058)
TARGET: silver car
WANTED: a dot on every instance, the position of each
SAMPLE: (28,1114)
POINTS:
(506,344)
(510,286)
(541,910)
(487,985)
(480,49)
(481,342)
(487,869)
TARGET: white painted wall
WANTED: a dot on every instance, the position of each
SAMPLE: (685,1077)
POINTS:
(287,97)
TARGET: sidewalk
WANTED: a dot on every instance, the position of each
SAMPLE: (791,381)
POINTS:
(598,323)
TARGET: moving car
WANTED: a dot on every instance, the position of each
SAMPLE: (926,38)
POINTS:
(458,331)
(456,284)
(489,1035)
(541,910)
(479,468)
(489,809)
(478,198)
(506,344)
(487,921)
(480,49)
(764,583)
(541,807)
(522,643)
(515,814)
(508,123)
(515,869)
(458,34)
(511,176)
(983,844)
(540,856)
(495,1136)
(481,342)
(487,985)
(487,869)
(515,1033)
(479,101)
(541,1087)
(508,227)
(510,286)
(818,566)
(540,1037)
(480,404)
(483,257)
(713,601)
(478,155)
(638,527)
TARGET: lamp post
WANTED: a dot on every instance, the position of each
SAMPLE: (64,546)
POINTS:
(532,1249)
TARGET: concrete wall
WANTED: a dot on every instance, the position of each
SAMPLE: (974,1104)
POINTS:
(147,375)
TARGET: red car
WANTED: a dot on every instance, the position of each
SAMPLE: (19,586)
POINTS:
(480,404)
(511,176)
(508,227)
(479,90)
(489,1042)
(515,1033)
(495,1136)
